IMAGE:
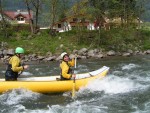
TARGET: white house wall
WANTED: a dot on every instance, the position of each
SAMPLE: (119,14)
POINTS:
(63,28)
(91,26)
(21,22)
(68,27)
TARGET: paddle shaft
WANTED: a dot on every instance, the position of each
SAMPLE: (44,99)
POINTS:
(74,81)
(75,62)
(73,88)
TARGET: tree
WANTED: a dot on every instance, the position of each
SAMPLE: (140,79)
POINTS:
(64,6)
(37,4)
(53,5)
(98,9)
(124,9)
(140,9)
(79,12)
(3,23)
(28,2)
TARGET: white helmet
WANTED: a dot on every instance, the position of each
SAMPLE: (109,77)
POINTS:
(63,54)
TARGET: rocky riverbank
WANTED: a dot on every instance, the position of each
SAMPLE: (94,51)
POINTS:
(83,53)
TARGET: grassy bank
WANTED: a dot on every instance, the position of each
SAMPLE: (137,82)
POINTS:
(118,39)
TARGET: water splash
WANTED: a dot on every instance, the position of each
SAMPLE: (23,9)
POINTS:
(21,109)
(75,107)
(130,66)
(112,85)
(37,69)
(17,96)
(26,73)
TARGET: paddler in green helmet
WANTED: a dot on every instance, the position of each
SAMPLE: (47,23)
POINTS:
(14,65)
(66,64)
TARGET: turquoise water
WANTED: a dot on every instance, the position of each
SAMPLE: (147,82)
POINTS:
(126,89)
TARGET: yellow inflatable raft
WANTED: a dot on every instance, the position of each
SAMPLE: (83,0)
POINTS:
(52,84)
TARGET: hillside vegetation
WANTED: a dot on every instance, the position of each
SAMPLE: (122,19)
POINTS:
(117,39)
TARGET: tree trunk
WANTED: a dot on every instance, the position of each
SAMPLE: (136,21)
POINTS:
(30,19)
(53,16)
(36,5)
(36,22)
(3,23)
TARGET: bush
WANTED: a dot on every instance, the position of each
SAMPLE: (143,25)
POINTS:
(146,45)
(24,33)
(21,27)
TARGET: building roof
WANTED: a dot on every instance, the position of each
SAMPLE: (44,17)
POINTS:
(20,15)
(14,14)
(69,19)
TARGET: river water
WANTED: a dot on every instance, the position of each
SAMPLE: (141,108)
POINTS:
(126,89)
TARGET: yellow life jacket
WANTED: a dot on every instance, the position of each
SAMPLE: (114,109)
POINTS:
(66,71)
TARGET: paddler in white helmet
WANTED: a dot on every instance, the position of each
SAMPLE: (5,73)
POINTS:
(66,64)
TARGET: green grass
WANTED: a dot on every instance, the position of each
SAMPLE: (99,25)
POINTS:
(41,44)
(116,39)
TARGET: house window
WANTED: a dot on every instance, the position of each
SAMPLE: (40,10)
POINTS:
(20,19)
(59,25)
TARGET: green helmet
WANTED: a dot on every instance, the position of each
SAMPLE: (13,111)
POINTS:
(19,50)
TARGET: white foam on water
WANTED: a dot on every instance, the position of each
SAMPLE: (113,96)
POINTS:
(24,73)
(17,109)
(16,96)
(76,109)
(3,71)
(21,109)
(70,108)
(82,66)
(67,94)
(81,107)
(112,85)
(37,69)
(145,110)
(49,110)
(129,66)
(118,73)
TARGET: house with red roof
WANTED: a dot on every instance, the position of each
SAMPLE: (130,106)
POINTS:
(17,17)
(71,22)
(74,21)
